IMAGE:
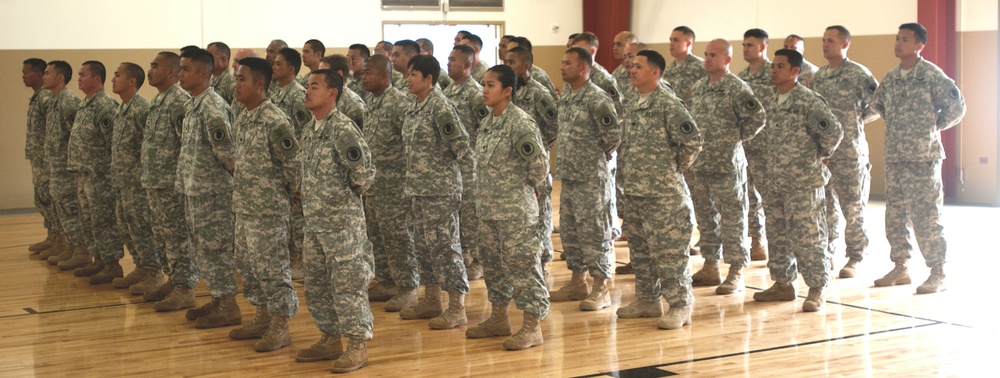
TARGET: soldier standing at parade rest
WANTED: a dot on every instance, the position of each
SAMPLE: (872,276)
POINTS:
(758,75)
(223,81)
(34,150)
(60,111)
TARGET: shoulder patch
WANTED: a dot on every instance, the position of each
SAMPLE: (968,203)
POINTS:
(284,139)
(218,135)
(300,116)
(819,119)
(448,123)
(527,145)
(748,101)
(359,121)
(872,88)
(687,127)
(353,154)
(352,149)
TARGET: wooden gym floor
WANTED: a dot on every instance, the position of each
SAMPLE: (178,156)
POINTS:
(54,324)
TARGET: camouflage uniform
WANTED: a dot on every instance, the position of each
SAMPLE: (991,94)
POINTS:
(399,81)
(336,169)
(807,73)
(266,172)
(802,131)
(60,113)
(535,100)
(764,90)
(291,99)
(589,132)
(356,86)
(512,166)
(436,146)
(225,86)
(916,108)
(387,207)
(89,154)
(542,77)
(203,176)
(622,77)
(467,98)
(134,217)
(352,105)
(161,146)
(683,74)
(849,90)
(659,141)
(444,81)
(727,114)
(34,151)
(479,71)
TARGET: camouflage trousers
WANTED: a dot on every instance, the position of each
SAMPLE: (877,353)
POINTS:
(63,188)
(98,205)
(659,238)
(545,218)
(585,226)
(171,239)
(797,238)
(846,201)
(43,195)
(914,197)
(612,188)
(756,190)
(387,219)
(512,266)
(720,204)
(338,268)
(296,235)
(469,221)
(261,249)
(210,222)
(134,223)
(436,242)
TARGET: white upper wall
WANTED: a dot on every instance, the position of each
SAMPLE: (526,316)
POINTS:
(163,24)
(977,15)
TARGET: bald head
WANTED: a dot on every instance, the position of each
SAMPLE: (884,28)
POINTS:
(721,45)
(718,55)
(621,42)
(243,53)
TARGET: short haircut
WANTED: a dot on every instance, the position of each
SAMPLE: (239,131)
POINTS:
(365,52)
(134,71)
(292,57)
(260,69)
(654,58)
(97,69)
(686,31)
(188,48)
(426,65)
(507,37)
(221,48)
(630,36)
(522,42)
(316,45)
(332,80)
(523,53)
(796,36)
(386,45)
(507,77)
(794,57)
(756,33)
(381,62)
(582,54)
(465,50)
(425,45)
(842,32)
(36,64)
(574,35)
(60,67)
(201,57)
(172,59)
(463,33)
(918,30)
(280,44)
(338,62)
(477,43)
(640,46)
(408,46)
(589,38)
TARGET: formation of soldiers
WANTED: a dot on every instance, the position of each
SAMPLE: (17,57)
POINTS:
(383,166)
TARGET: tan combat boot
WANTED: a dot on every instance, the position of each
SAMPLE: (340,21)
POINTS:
(381,291)
(276,337)
(327,348)
(934,283)
(91,269)
(577,289)
(354,358)
(498,324)
(159,293)
(734,281)
(428,308)
(42,245)
(675,318)
(641,308)
(112,270)
(255,329)
(849,269)
(779,292)
(205,309)
(625,269)
(454,316)
(179,298)
(899,275)
(758,249)
(226,314)
(79,258)
(599,297)
(154,278)
(708,275)
(528,336)
(404,298)
(59,245)
(134,277)
(814,301)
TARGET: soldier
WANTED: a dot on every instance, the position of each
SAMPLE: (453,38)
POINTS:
(223,81)
(387,207)
(383,48)
(161,146)
(402,52)
(240,54)
(659,142)
(289,96)
(917,101)
(34,151)
(537,73)
(758,76)
(479,67)
(336,170)
(357,54)
(467,97)
(726,111)
(511,173)
(502,47)
(89,154)
(312,52)
(350,103)
(687,68)
(266,177)
(273,48)
(60,112)
(436,146)
(460,35)
(427,48)
(204,176)
(797,43)
(802,133)
(849,89)
(621,43)
(589,133)
(535,100)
